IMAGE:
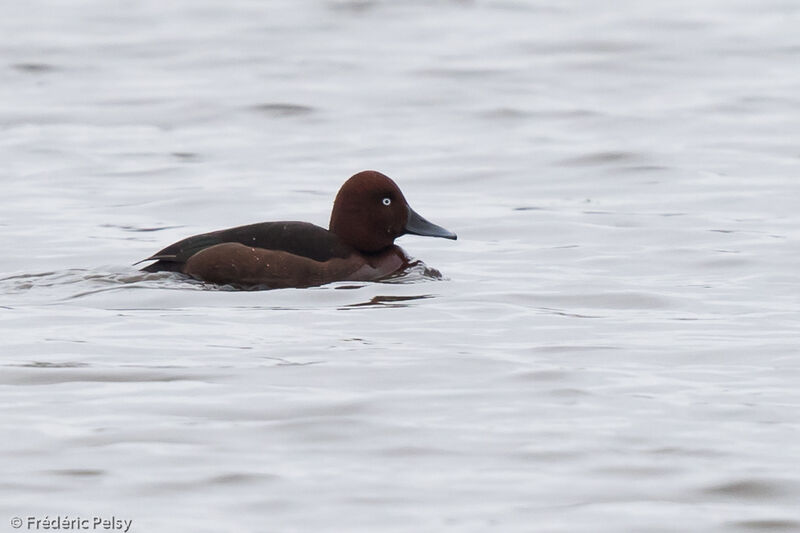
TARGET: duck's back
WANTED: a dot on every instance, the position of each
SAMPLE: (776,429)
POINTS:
(299,238)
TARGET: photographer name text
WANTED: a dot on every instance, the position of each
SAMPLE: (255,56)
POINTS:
(67,523)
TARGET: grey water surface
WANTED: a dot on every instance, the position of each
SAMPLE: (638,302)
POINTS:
(613,345)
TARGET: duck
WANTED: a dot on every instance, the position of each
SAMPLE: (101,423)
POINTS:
(369,213)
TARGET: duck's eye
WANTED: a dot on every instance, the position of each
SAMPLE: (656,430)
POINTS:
(387,201)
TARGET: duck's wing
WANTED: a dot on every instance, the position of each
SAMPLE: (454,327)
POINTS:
(298,238)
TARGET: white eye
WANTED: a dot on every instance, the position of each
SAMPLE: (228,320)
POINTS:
(387,201)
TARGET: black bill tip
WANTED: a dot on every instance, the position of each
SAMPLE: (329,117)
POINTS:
(416,225)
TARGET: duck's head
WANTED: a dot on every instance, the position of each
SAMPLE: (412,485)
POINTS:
(370,212)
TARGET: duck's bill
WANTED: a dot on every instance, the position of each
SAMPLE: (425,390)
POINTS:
(417,225)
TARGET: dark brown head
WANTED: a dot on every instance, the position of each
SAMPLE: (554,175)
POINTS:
(370,212)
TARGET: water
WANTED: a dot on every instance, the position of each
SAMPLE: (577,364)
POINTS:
(613,345)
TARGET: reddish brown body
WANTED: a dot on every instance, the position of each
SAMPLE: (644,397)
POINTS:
(234,263)
(369,213)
